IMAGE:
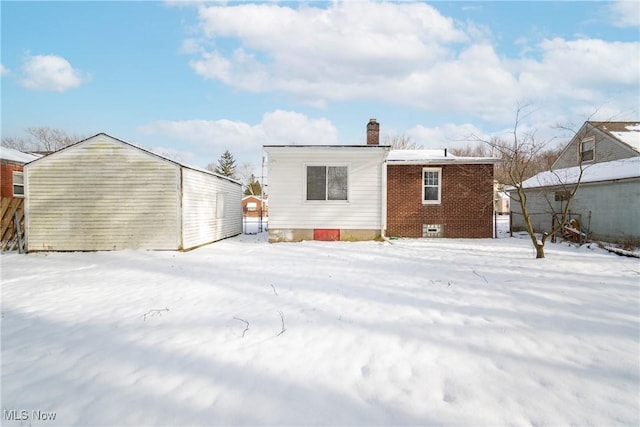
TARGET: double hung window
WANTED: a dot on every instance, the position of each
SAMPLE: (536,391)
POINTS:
(431,186)
(18,184)
(587,150)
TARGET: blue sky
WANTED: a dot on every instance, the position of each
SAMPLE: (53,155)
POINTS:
(192,79)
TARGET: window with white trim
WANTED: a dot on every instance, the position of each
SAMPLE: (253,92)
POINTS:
(18,184)
(327,183)
(431,186)
(587,150)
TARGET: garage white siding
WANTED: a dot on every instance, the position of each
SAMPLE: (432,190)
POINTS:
(211,208)
(102,194)
(288,207)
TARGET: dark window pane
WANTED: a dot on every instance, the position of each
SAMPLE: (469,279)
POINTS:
(316,182)
(431,193)
(587,155)
(337,182)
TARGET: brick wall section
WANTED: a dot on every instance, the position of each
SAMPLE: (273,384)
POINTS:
(6,178)
(466,209)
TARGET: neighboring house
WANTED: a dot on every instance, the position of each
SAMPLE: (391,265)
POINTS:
(12,195)
(254,207)
(608,200)
(598,142)
(11,175)
(106,194)
(364,192)
(433,194)
(501,199)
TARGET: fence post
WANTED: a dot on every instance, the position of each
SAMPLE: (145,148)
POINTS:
(510,223)
(16,222)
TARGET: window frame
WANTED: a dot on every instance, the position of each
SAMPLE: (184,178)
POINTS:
(14,185)
(326,165)
(581,150)
(423,186)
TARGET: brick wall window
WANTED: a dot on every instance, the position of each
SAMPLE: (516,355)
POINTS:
(431,186)
(327,182)
(18,184)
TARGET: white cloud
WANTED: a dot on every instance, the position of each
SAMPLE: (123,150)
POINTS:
(3,70)
(51,73)
(350,50)
(405,54)
(625,13)
(579,74)
(208,139)
(446,136)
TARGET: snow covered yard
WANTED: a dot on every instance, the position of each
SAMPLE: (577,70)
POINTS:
(412,332)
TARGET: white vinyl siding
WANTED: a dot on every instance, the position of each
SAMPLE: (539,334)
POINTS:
(105,194)
(211,208)
(102,195)
(288,207)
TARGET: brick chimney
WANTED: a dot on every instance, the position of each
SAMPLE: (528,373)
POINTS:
(373,132)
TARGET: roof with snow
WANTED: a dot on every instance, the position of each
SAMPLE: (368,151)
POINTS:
(433,156)
(597,172)
(16,156)
(626,132)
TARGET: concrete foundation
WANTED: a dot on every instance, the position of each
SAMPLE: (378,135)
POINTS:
(300,234)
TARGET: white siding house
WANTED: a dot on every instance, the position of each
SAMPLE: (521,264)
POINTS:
(326,192)
(106,194)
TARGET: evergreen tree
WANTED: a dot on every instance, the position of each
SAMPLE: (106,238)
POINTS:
(226,165)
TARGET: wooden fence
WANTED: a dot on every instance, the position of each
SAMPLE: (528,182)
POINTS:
(9,208)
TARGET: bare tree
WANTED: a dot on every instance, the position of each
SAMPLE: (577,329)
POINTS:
(521,155)
(247,177)
(540,161)
(42,139)
(401,142)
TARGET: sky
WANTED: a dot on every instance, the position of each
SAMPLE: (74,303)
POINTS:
(192,79)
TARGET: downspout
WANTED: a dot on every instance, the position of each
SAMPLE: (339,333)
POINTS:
(383,201)
(25,207)
(180,201)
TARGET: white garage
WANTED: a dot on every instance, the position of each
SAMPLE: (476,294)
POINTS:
(106,194)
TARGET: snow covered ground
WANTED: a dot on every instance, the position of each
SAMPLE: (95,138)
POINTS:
(406,332)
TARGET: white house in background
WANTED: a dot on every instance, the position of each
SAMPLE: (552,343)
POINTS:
(328,192)
(106,194)
(608,200)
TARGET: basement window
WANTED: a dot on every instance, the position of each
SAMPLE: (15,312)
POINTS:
(587,150)
(431,186)
(18,184)
(327,183)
